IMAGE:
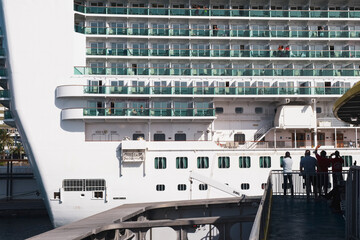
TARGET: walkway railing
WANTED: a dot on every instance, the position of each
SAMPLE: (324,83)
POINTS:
(353,204)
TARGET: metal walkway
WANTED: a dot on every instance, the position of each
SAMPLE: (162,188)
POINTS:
(299,218)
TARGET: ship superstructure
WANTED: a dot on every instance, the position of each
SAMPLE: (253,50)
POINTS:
(117,101)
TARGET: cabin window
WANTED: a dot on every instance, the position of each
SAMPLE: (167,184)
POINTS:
(265,162)
(318,110)
(281,161)
(240,138)
(160,162)
(244,162)
(347,161)
(224,162)
(136,136)
(98,195)
(219,110)
(258,110)
(84,184)
(159,137)
(263,186)
(180,137)
(160,187)
(203,187)
(203,162)
(245,186)
(181,162)
(239,110)
(181,187)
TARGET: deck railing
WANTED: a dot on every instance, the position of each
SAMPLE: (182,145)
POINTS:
(207,12)
(352,228)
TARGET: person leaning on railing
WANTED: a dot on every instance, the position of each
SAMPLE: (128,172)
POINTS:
(336,166)
(323,164)
(287,167)
(307,170)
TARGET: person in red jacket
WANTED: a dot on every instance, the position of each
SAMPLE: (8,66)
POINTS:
(336,162)
(322,170)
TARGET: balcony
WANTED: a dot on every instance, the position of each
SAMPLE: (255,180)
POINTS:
(8,118)
(139,113)
(5,98)
(205,12)
(3,72)
(219,33)
(208,71)
(176,91)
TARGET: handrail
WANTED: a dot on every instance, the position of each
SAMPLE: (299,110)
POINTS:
(205,11)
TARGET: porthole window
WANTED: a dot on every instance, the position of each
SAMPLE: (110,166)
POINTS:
(160,187)
(181,187)
(239,110)
(219,110)
(258,110)
(245,186)
(203,187)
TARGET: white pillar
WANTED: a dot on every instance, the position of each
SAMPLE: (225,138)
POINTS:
(149,132)
(315,128)
(295,139)
(275,138)
(335,140)
(356,145)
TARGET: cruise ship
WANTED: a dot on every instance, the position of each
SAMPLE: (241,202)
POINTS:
(126,101)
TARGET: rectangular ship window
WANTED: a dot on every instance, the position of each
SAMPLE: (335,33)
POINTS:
(347,161)
(244,162)
(224,162)
(84,184)
(160,162)
(265,162)
(202,162)
(181,162)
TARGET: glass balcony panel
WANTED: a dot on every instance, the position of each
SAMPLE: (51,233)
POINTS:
(180,32)
(259,13)
(220,33)
(203,112)
(338,14)
(354,14)
(139,52)
(95,30)
(96,10)
(117,52)
(220,12)
(240,33)
(299,53)
(181,72)
(299,13)
(200,12)
(79,8)
(159,32)
(97,71)
(140,90)
(200,53)
(138,11)
(348,72)
(96,51)
(160,71)
(159,11)
(79,29)
(117,10)
(180,53)
(279,13)
(180,12)
(159,52)
(118,90)
(183,112)
(279,33)
(117,71)
(299,33)
(220,53)
(240,13)
(161,112)
(117,31)
(200,32)
(139,31)
(4,94)
(260,53)
(319,14)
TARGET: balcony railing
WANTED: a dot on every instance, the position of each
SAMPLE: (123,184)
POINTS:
(219,33)
(264,13)
(3,72)
(240,90)
(207,71)
(150,112)
(223,53)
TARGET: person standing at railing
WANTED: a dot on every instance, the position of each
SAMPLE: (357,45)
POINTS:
(323,164)
(287,168)
(308,171)
(336,165)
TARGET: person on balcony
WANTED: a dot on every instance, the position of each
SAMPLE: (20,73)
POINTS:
(323,164)
(308,166)
(287,168)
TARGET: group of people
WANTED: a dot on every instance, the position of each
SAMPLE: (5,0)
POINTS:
(314,171)
(283,52)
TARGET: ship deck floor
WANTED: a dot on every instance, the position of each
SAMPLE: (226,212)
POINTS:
(299,218)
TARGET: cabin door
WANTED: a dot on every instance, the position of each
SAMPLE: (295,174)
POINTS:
(339,140)
(300,140)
